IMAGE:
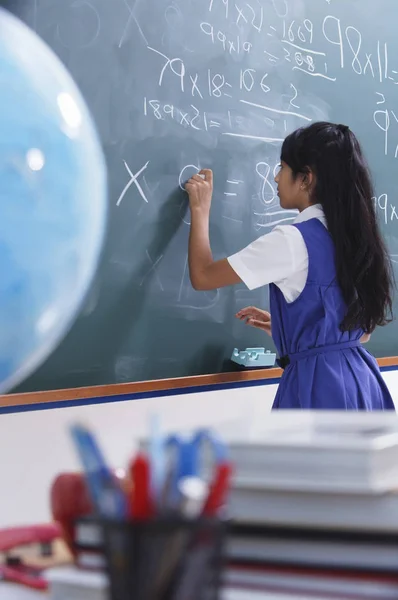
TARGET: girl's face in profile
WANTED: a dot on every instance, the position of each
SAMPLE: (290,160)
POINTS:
(291,191)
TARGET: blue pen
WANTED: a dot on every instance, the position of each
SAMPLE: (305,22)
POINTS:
(157,459)
(218,447)
(188,458)
(107,497)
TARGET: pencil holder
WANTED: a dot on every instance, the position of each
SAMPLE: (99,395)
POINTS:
(164,559)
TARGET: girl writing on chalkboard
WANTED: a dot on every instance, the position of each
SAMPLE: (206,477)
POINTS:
(329,273)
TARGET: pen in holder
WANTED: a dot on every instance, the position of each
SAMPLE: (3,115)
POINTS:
(164,539)
(166,558)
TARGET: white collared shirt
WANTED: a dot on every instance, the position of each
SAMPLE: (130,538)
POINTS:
(279,257)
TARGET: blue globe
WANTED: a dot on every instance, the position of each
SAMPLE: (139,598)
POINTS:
(52,201)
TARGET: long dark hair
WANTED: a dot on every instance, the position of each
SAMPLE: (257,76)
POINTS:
(344,188)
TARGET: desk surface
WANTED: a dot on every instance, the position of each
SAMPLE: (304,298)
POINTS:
(12,592)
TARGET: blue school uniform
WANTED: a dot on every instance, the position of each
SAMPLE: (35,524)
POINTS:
(325,368)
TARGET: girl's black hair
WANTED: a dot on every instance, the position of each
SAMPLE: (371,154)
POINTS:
(344,188)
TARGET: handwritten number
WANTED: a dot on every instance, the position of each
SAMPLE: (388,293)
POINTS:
(295,92)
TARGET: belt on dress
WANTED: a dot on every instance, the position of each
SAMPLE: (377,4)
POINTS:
(289,359)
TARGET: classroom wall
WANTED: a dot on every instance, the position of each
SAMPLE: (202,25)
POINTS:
(35,446)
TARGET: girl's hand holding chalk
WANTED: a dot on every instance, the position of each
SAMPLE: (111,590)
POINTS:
(200,190)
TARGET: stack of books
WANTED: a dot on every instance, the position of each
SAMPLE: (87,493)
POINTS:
(315,506)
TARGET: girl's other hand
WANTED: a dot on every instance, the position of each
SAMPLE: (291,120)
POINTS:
(255,317)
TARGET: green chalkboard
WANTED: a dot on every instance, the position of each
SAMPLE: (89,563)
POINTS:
(174,85)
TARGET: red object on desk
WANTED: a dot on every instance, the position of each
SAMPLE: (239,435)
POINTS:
(22,536)
(141,506)
(70,500)
(24,575)
(218,490)
(14,570)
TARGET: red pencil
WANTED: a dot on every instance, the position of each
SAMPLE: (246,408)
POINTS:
(141,503)
(218,490)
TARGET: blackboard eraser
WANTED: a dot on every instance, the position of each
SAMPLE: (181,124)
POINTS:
(257,358)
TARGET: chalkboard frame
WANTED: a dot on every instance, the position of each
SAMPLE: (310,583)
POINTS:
(103,394)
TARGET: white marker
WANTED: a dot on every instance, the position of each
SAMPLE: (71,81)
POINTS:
(193,492)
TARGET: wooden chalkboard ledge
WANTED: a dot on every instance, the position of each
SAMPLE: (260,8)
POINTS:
(133,391)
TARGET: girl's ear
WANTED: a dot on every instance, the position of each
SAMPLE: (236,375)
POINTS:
(307,179)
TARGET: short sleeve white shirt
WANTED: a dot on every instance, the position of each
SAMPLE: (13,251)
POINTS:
(279,257)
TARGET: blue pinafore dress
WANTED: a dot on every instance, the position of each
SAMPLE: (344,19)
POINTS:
(324,368)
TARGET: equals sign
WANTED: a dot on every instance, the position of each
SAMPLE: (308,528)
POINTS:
(215,124)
